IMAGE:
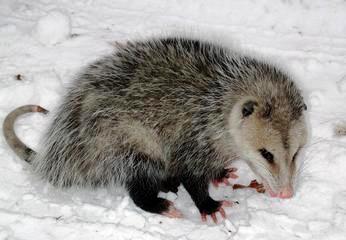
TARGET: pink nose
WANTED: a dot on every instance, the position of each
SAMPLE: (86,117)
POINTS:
(286,192)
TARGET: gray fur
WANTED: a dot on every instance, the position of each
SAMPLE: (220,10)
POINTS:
(161,97)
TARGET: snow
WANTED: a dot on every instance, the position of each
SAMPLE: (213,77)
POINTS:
(53,28)
(47,42)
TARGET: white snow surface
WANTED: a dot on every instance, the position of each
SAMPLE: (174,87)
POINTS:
(48,41)
(53,28)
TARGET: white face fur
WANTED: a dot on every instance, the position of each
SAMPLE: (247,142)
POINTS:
(261,145)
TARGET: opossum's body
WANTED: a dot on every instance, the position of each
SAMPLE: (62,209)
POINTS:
(165,111)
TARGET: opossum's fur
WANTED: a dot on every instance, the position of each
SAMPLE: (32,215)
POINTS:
(168,109)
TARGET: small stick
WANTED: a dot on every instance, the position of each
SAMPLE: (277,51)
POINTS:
(254,184)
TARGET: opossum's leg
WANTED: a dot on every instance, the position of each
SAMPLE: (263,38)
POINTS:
(195,175)
(224,175)
(143,192)
(170,184)
(144,186)
(198,189)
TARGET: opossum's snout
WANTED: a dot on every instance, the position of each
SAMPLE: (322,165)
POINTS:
(286,192)
(275,167)
(270,146)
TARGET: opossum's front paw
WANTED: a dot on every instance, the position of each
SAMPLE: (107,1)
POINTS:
(211,207)
(226,174)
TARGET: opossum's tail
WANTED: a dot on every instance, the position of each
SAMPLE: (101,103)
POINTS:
(23,151)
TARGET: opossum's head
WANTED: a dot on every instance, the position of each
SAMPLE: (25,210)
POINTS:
(269,135)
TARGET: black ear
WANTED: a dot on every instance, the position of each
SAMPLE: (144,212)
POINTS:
(248,108)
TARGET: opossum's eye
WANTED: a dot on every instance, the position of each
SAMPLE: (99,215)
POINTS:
(248,108)
(295,155)
(267,155)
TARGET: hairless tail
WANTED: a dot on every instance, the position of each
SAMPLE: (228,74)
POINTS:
(23,151)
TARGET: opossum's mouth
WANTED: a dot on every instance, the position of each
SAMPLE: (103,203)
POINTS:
(280,191)
(269,189)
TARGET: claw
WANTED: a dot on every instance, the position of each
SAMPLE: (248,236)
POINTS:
(226,182)
(223,213)
(172,212)
(226,203)
(213,216)
(204,217)
(230,174)
(220,210)
(215,182)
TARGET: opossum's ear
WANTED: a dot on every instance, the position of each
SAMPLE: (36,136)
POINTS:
(248,108)
(267,111)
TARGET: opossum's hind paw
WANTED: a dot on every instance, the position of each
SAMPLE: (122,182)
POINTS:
(172,212)
(224,176)
(220,209)
(154,205)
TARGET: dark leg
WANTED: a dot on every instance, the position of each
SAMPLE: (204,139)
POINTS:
(196,171)
(144,192)
(170,184)
(224,175)
(198,189)
(145,182)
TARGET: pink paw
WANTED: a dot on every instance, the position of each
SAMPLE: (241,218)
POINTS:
(229,174)
(172,212)
(220,210)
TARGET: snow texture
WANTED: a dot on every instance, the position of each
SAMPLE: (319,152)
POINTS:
(44,43)
(53,28)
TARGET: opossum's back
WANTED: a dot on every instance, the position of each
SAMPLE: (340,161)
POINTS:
(170,70)
(160,82)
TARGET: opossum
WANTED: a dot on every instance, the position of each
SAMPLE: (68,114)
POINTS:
(167,111)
